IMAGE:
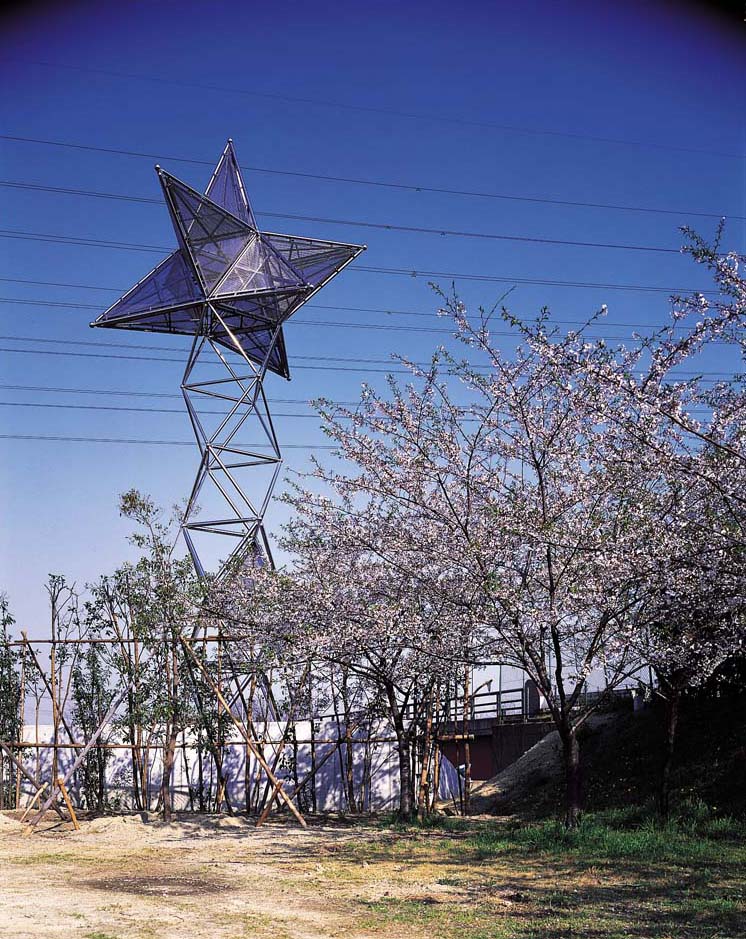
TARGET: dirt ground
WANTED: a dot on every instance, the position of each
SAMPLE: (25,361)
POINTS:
(130,877)
(126,877)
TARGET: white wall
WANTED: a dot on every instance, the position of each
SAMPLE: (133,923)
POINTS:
(382,794)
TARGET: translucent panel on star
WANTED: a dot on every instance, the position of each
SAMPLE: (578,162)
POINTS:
(185,321)
(212,237)
(259,267)
(261,341)
(172,283)
(270,307)
(227,188)
(316,261)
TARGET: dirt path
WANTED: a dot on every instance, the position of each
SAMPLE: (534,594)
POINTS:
(214,878)
(121,878)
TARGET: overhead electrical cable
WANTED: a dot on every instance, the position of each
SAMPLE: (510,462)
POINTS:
(131,409)
(407,187)
(309,306)
(164,443)
(380,226)
(141,410)
(136,394)
(405,272)
(335,324)
(180,361)
(392,112)
(315,368)
(315,358)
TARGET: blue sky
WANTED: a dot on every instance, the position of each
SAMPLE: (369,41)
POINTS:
(630,105)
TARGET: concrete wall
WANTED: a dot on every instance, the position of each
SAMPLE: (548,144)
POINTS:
(381,794)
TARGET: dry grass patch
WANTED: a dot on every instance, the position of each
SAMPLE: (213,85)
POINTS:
(481,880)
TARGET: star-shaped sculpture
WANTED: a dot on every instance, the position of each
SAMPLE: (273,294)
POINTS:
(227,280)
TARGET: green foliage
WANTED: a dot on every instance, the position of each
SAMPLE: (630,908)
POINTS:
(91,700)
(10,696)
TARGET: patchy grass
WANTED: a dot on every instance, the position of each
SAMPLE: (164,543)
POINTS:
(595,841)
(619,876)
(390,917)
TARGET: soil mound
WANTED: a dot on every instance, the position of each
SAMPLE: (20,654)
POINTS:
(539,767)
(9,825)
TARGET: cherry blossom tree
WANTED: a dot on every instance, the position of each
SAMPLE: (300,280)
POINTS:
(515,485)
(344,605)
(506,508)
(692,617)
(693,432)
(549,507)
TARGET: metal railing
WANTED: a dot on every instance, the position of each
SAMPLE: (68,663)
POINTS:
(508,704)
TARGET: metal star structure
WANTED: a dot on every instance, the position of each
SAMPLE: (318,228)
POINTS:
(231,287)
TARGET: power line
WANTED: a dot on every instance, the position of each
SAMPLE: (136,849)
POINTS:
(335,324)
(368,109)
(57,283)
(379,226)
(181,411)
(163,443)
(7,233)
(315,368)
(180,361)
(296,322)
(122,345)
(308,306)
(405,272)
(135,394)
(316,358)
(407,187)
(134,410)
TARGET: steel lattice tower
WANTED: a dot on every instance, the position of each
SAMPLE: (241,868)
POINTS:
(231,287)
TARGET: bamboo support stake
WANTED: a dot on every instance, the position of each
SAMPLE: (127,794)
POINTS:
(244,733)
(283,739)
(32,803)
(21,721)
(63,789)
(83,753)
(268,807)
(22,769)
(336,744)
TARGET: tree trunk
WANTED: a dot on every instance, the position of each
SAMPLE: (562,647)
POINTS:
(467,745)
(349,767)
(169,757)
(405,760)
(405,777)
(573,789)
(187,773)
(21,723)
(423,794)
(313,763)
(673,699)
(312,727)
(172,731)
